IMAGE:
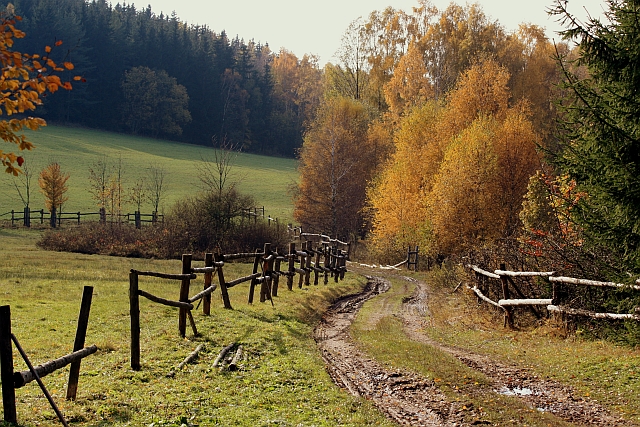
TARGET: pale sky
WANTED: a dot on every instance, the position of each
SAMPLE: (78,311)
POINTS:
(316,27)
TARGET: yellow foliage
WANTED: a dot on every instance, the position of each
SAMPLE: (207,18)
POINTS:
(53,184)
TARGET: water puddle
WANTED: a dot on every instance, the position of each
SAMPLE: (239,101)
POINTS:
(515,391)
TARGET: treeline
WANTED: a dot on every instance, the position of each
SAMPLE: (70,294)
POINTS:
(429,127)
(156,76)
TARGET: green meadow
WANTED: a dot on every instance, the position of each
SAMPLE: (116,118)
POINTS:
(267,179)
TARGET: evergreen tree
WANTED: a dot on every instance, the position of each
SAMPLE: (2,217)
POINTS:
(601,145)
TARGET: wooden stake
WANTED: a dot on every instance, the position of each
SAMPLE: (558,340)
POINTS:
(184,295)
(223,286)
(206,302)
(6,366)
(134,314)
(81,334)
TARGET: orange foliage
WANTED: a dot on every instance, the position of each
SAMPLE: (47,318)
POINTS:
(23,80)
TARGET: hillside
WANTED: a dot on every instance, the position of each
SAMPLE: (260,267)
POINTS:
(266,178)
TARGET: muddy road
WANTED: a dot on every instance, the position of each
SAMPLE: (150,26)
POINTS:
(412,400)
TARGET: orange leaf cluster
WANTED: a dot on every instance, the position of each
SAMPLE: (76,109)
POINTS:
(24,79)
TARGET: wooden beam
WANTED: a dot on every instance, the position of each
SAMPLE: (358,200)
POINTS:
(596,283)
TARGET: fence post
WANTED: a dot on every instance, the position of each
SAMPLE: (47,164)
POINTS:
(508,318)
(307,266)
(26,220)
(223,286)
(327,262)
(316,265)
(276,275)
(6,366)
(265,291)
(292,265)
(184,294)
(206,303)
(256,264)
(12,217)
(81,333)
(134,313)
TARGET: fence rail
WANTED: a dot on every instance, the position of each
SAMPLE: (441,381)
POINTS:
(506,303)
(326,260)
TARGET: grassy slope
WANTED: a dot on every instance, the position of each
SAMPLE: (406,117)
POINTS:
(266,178)
(283,382)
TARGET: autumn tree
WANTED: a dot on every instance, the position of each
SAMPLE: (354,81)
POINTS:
(53,184)
(334,169)
(24,80)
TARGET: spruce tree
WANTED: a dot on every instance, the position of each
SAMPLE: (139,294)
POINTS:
(600,146)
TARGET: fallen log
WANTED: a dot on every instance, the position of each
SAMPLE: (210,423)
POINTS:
(22,378)
(191,357)
(233,366)
(524,273)
(222,353)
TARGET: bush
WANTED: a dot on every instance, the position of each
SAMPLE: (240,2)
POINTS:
(194,225)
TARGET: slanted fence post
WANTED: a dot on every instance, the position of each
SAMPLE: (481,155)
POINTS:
(184,294)
(223,286)
(206,302)
(134,313)
(81,333)
(6,366)
(276,275)
(256,264)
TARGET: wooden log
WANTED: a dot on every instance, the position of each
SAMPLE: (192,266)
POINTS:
(276,277)
(6,366)
(40,383)
(592,314)
(222,353)
(521,302)
(170,303)
(483,272)
(208,276)
(267,259)
(190,276)
(503,272)
(22,378)
(307,276)
(209,269)
(508,317)
(206,293)
(223,285)
(192,322)
(134,314)
(184,295)
(256,265)
(485,299)
(233,366)
(522,296)
(243,255)
(595,283)
(191,357)
(243,279)
(78,344)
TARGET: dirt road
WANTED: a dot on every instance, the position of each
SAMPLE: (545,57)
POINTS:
(412,400)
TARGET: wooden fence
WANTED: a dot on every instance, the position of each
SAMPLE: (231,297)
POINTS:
(12,380)
(507,283)
(26,216)
(326,260)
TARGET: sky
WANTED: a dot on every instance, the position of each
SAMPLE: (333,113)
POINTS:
(316,27)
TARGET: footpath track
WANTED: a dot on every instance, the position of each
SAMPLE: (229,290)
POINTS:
(412,400)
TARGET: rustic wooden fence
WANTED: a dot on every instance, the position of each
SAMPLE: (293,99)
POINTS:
(26,216)
(507,284)
(326,260)
(12,380)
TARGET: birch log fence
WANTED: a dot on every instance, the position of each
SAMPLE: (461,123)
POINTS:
(12,380)
(483,290)
(326,260)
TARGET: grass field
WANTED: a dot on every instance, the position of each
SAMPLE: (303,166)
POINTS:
(75,149)
(283,381)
